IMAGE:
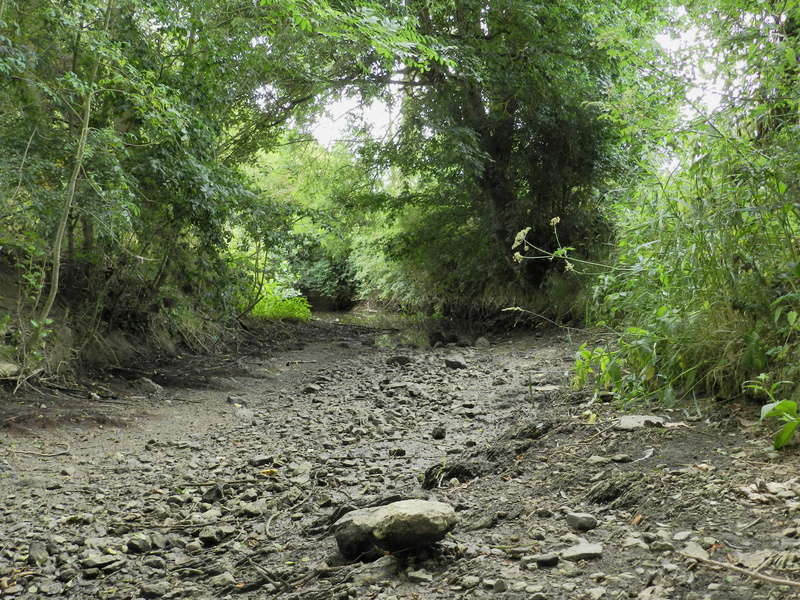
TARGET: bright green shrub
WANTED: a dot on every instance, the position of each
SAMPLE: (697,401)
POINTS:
(275,305)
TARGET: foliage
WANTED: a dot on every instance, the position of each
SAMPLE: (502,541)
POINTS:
(274,305)
(481,152)
(703,295)
(122,131)
(784,410)
(313,185)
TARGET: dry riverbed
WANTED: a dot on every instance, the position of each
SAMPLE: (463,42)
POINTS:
(221,477)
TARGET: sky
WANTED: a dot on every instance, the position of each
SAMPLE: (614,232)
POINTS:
(333,127)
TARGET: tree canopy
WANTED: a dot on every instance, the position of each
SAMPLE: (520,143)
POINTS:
(158,176)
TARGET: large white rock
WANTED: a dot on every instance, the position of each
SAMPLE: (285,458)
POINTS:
(632,422)
(8,369)
(403,525)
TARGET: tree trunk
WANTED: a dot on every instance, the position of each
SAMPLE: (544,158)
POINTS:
(86,113)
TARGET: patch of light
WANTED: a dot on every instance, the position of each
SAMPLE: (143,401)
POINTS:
(343,114)
(705,93)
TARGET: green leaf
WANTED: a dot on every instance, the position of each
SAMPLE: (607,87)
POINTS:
(779,409)
(784,436)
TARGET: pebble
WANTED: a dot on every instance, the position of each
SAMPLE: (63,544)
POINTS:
(225,579)
(37,554)
(140,543)
(420,576)
(155,590)
(455,361)
(581,521)
(583,551)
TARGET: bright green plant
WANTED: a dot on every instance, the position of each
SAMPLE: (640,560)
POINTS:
(274,305)
(786,411)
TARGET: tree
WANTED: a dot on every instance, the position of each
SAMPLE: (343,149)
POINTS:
(507,135)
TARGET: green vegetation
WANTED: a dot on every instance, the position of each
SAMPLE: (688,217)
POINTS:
(274,305)
(703,294)
(157,177)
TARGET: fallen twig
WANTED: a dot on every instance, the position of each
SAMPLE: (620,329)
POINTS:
(224,483)
(749,573)
(43,455)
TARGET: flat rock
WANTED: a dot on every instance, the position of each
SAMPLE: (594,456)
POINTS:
(455,361)
(225,579)
(383,569)
(420,576)
(695,550)
(155,590)
(633,422)
(584,551)
(399,360)
(581,521)
(99,561)
(403,525)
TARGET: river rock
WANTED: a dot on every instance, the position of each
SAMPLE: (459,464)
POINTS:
(583,551)
(632,422)
(37,554)
(482,342)
(8,369)
(455,361)
(150,386)
(403,525)
(581,521)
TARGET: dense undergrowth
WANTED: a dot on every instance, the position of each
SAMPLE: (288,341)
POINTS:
(702,295)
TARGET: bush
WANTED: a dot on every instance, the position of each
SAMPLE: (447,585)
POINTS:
(276,305)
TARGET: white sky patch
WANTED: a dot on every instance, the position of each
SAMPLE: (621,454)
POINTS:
(334,126)
(705,93)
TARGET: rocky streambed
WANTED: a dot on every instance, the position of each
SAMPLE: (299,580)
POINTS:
(225,477)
